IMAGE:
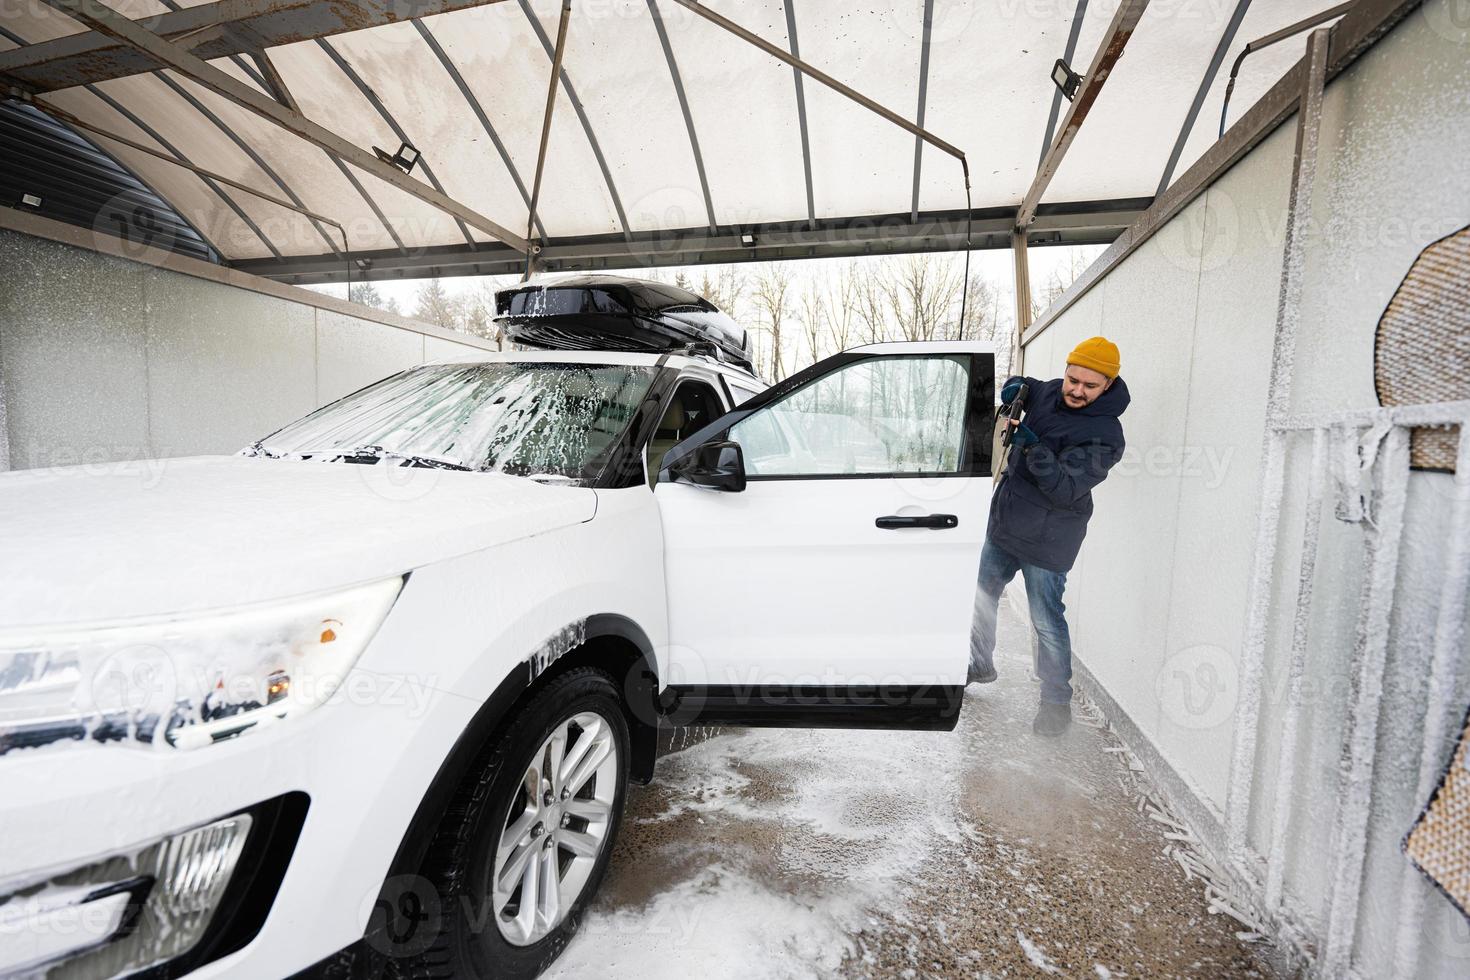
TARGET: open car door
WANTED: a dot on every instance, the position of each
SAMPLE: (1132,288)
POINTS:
(822,543)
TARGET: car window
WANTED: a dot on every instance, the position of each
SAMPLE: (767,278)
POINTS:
(740,393)
(881,415)
(521,418)
(693,405)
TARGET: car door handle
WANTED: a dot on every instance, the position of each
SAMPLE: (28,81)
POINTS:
(937,522)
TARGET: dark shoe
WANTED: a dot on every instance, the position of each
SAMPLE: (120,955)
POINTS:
(981,677)
(1052,719)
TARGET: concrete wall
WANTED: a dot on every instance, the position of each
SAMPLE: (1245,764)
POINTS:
(1158,597)
(103,358)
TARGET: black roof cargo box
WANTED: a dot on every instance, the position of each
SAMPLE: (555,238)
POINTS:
(601,312)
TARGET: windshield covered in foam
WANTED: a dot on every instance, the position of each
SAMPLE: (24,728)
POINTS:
(522,418)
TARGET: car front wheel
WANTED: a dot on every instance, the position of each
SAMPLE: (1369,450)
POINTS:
(526,842)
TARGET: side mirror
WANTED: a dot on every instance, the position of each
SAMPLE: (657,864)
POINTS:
(714,466)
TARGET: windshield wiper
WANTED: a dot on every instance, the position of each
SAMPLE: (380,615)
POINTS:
(377,453)
(258,449)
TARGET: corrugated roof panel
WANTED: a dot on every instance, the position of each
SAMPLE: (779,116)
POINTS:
(744,106)
(396,63)
(861,163)
(1122,149)
(78,183)
(989,93)
(618,67)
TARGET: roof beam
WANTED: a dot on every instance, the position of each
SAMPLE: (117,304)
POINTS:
(479,112)
(1068,53)
(61,115)
(923,103)
(373,99)
(663,40)
(806,142)
(1205,83)
(102,18)
(274,81)
(556,60)
(211,30)
(1360,28)
(577,107)
(1108,53)
(806,68)
(1086,223)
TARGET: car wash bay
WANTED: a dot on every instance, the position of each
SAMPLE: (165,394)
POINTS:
(980,852)
(1269,613)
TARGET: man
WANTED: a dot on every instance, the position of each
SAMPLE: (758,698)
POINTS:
(1068,441)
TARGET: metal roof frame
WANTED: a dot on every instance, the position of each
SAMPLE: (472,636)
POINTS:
(663,40)
(566,83)
(102,18)
(806,142)
(96,56)
(1227,36)
(1358,30)
(1074,223)
(454,75)
(1109,50)
(366,91)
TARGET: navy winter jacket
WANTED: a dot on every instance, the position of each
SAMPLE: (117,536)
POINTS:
(1041,505)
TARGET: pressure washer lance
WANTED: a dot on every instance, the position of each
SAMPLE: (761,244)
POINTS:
(1013,414)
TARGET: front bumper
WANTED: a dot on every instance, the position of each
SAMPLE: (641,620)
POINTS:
(310,875)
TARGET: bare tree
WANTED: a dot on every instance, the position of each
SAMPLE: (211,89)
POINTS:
(1061,278)
(476,308)
(813,318)
(726,289)
(871,310)
(983,320)
(772,301)
(840,305)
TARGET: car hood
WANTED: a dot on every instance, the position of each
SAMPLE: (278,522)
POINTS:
(156,537)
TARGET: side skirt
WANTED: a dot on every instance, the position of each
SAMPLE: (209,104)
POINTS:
(928,707)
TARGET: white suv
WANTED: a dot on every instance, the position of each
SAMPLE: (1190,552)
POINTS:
(373,690)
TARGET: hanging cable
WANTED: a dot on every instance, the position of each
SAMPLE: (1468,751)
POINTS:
(1270,39)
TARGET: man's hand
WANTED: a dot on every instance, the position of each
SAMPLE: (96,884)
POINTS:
(1010,391)
(1021,435)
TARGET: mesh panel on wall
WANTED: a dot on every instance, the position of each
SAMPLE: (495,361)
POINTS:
(1422,347)
(1439,844)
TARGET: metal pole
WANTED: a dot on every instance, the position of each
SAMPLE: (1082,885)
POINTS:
(1288,315)
(1021,265)
(1286,760)
(1349,841)
(556,59)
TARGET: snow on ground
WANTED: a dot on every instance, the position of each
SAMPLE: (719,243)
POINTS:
(985,851)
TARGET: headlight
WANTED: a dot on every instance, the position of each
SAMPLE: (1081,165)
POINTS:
(185,682)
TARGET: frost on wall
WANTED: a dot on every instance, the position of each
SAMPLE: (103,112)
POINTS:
(1421,350)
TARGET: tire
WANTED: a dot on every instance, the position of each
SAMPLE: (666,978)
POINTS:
(480,932)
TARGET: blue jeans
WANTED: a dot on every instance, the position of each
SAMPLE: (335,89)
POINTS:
(1044,594)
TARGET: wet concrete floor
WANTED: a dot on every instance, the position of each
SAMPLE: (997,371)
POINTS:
(986,851)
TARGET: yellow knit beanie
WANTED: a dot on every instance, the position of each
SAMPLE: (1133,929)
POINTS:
(1098,353)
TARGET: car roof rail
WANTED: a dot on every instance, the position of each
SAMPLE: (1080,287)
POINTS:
(713,351)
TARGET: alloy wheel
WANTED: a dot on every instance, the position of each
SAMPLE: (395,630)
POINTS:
(555,829)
